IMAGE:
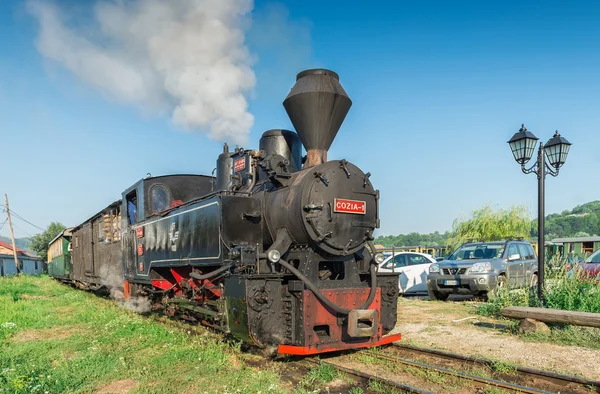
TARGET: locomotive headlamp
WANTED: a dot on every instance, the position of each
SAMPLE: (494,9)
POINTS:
(379,258)
(273,255)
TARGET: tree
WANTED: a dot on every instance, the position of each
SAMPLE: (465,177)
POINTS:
(39,242)
(491,225)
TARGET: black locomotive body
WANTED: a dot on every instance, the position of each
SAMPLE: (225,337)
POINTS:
(274,251)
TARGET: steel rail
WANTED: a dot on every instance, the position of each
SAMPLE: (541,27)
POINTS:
(462,375)
(364,375)
(538,373)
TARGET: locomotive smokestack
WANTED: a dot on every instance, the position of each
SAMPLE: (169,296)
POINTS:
(317,105)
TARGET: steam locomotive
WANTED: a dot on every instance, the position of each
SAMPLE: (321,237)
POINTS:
(276,250)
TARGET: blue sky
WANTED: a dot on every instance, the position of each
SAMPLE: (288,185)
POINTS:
(437,87)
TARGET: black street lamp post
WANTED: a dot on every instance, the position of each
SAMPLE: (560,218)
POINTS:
(556,150)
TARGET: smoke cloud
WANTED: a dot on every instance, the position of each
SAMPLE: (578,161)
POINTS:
(184,57)
(114,283)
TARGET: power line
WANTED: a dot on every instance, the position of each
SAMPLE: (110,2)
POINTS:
(26,221)
(25,232)
(3,223)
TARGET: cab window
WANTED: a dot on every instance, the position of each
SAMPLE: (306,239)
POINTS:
(594,258)
(415,259)
(531,252)
(161,199)
(512,249)
(523,251)
(399,261)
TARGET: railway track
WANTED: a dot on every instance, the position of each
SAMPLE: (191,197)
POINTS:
(548,381)
(459,368)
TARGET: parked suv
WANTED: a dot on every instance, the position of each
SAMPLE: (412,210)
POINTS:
(476,268)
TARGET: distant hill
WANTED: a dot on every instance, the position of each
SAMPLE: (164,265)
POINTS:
(22,243)
(581,221)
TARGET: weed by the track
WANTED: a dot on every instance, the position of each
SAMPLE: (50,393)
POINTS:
(503,367)
(495,390)
(382,388)
(318,377)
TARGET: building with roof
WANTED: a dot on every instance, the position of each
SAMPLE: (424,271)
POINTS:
(6,248)
(581,246)
(28,264)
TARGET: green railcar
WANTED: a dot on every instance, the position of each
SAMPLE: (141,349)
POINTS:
(59,256)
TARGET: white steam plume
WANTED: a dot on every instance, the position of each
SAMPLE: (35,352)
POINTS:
(114,283)
(187,57)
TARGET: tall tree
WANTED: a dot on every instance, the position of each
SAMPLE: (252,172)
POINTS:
(39,242)
(491,225)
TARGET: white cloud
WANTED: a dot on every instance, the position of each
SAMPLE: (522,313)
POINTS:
(188,57)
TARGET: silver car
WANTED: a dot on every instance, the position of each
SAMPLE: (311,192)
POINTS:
(476,268)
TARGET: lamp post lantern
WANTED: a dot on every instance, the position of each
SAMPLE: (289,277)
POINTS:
(522,145)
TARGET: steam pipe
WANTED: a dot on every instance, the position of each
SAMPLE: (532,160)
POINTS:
(211,274)
(311,286)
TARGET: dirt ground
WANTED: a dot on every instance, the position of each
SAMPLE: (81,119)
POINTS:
(118,387)
(454,326)
(45,334)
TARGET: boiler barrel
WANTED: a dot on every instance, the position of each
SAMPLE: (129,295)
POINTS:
(332,206)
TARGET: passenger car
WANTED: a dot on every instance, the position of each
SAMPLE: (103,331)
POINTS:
(476,268)
(413,268)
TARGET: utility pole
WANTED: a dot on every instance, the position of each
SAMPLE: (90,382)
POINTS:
(12,235)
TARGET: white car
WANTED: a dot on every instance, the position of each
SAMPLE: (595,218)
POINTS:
(413,268)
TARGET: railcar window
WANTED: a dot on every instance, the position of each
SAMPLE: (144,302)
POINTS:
(587,247)
(101,234)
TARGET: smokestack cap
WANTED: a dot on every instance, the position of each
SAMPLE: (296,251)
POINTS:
(317,105)
(317,71)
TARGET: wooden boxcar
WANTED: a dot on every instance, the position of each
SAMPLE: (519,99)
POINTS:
(96,249)
(59,255)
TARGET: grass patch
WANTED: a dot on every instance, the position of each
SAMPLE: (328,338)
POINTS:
(495,390)
(503,367)
(57,339)
(317,377)
(382,388)
(429,375)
